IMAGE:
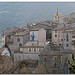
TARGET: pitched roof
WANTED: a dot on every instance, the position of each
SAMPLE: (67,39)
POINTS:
(36,29)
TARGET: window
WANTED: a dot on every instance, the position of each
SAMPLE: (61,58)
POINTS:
(55,31)
(55,64)
(60,44)
(67,37)
(73,36)
(45,59)
(66,45)
(39,49)
(20,45)
(61,39)
(18,40)
(55,35)
(29,49)
(34,49)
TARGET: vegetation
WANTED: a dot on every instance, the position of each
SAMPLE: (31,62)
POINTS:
(72,65)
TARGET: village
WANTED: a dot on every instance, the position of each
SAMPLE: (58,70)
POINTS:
(41,47)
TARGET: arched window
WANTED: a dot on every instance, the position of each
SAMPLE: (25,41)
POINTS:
(18,40)
(45,59)
(34,49)
(20,45)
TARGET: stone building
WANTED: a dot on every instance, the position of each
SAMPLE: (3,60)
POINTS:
(20,38)
(8,34)
(58,17)
(38,34)
(56,61)
(69,38)
(47,27)
(30,51)
(57,36)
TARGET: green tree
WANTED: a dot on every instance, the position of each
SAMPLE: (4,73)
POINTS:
(72,66)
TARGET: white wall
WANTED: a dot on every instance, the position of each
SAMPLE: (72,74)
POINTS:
(42,35)
(39,35)
(35,34)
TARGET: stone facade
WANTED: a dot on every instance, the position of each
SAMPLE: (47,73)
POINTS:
(9,32)
(30,50)
(56,61)
(20,40)
(68,38)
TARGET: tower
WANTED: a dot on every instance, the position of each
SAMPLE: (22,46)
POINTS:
(57,16)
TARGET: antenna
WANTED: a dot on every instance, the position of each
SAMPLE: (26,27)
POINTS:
(57,11)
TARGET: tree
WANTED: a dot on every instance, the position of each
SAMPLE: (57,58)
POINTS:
(72,66)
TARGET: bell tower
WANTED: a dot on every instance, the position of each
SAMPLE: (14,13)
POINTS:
(57,17)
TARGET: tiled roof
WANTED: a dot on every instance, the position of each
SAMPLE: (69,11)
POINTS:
(9,31)
(70,29)
(35,29)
